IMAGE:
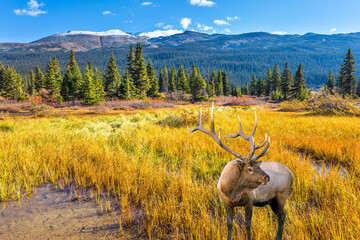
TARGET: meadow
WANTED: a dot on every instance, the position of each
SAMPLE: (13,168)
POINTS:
(164,178)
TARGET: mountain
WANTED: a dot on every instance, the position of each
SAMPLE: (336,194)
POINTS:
(241,55)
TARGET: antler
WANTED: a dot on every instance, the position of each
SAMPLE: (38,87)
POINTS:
(212,134)
(250,138)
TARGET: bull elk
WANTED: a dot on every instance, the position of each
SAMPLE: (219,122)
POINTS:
(246,182)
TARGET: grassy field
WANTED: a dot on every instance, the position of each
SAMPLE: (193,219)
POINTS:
(164,178)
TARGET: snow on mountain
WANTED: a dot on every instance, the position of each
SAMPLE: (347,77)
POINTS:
(114,32)
(160,33)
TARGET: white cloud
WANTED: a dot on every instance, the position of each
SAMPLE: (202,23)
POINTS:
(160,24)
(227,30)
(279,32)
(202,3)
(204,27)
(31,10)
(108,13)
(233,18)
(185,22)
(167,26)
(163,26)
(146,3)
(160,33)
(221,22)
(333,30)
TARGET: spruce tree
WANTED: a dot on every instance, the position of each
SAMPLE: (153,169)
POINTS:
(199,87)
(166,79)
(131,62)
(112,79)
(31,85)
(127,87)
(98,84)
(330,84)
(275,79)
(72,80)
(39,79)
(13,87)
(52,80)
(153,91)
(260,86)
(225,81)
(2,76)
(299,89)
(347,80)
(188,81)
(172,80)
(286,81)
(162,82)
(219,84)
(193,73)
(57,71)
(88,87)
(211,84)
(268,80)
(182,81)
(141,80)
(253,87)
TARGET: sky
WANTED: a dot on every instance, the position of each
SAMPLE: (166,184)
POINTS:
(29,20)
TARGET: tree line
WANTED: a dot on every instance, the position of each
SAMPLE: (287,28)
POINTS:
(91,86)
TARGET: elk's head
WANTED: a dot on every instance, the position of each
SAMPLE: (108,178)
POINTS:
(243,168)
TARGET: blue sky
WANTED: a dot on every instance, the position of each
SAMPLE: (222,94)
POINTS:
(29,20)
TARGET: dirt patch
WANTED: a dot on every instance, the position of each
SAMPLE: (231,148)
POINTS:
(51,214)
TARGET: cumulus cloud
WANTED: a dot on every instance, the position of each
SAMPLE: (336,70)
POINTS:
(108,13)
(233,18)
(163,26)
(204,27)
(146,3)
(32,9)
(202,3)
(160,33)
(185,22)
(221,22)
(333,30)
(279,32)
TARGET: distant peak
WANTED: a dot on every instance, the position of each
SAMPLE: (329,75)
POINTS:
(114,32)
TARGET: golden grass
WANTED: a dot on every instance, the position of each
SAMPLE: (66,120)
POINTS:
(165,178)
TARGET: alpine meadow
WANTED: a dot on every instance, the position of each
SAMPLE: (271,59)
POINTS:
(199,119)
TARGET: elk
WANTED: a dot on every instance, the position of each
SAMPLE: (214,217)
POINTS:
(247,182)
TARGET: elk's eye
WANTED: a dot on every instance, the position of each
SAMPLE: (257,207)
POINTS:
(250,169)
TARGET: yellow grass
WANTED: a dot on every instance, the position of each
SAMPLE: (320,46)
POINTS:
(164,178)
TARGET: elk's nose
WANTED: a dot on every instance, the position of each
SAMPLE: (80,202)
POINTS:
(267,178)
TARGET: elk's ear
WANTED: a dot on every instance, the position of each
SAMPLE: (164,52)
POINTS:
(240,163)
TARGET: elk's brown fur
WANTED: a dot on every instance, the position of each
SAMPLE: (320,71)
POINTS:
(245,182)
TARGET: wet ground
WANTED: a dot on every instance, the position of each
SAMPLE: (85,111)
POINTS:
(51,214)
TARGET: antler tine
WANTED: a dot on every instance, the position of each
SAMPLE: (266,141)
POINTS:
(212,134)
(261,145)
(253,132)
(241,133)
(263,153)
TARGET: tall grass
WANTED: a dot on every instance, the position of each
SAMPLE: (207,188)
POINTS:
(164,178)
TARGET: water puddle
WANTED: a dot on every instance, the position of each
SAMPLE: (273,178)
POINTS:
(51,214)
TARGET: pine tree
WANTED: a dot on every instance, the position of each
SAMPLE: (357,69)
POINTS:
(245,90)
(127,87)
(153,91)
(13,87)
(112,79)
(52,80)
(182,80)
(2,76)
(253,88)
(88,87)
(39,79)
(193,73)
(260,86)
(166,79)
(275,79)
(31,85)
(299,89)
(346,78)
(199,87)
(141,80)
(172,80)
(286,81)
(72,80)
(131,62)
(267,89)
(226,88)
(211,84)
(162,82)
(219,88)
(330,84)
(98,84)
(188,81)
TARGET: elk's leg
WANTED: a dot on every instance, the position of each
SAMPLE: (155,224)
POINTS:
(230,217)
(278,208)
(248,215)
